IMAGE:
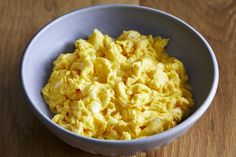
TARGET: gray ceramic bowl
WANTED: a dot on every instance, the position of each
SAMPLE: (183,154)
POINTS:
(59,35)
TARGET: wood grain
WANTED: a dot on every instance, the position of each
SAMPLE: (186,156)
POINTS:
(22,134)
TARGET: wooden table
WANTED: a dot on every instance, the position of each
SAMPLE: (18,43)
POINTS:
(23,135)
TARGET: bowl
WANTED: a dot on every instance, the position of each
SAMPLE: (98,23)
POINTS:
(58,36)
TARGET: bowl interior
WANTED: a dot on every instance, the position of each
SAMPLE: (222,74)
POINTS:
(59,36)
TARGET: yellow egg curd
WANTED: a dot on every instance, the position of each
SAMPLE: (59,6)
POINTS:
(118,89)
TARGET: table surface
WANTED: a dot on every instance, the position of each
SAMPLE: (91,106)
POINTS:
(22,134)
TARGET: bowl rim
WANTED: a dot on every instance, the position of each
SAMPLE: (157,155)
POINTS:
(166,134)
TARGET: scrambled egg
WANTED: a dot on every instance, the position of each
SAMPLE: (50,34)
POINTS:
(118,89)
